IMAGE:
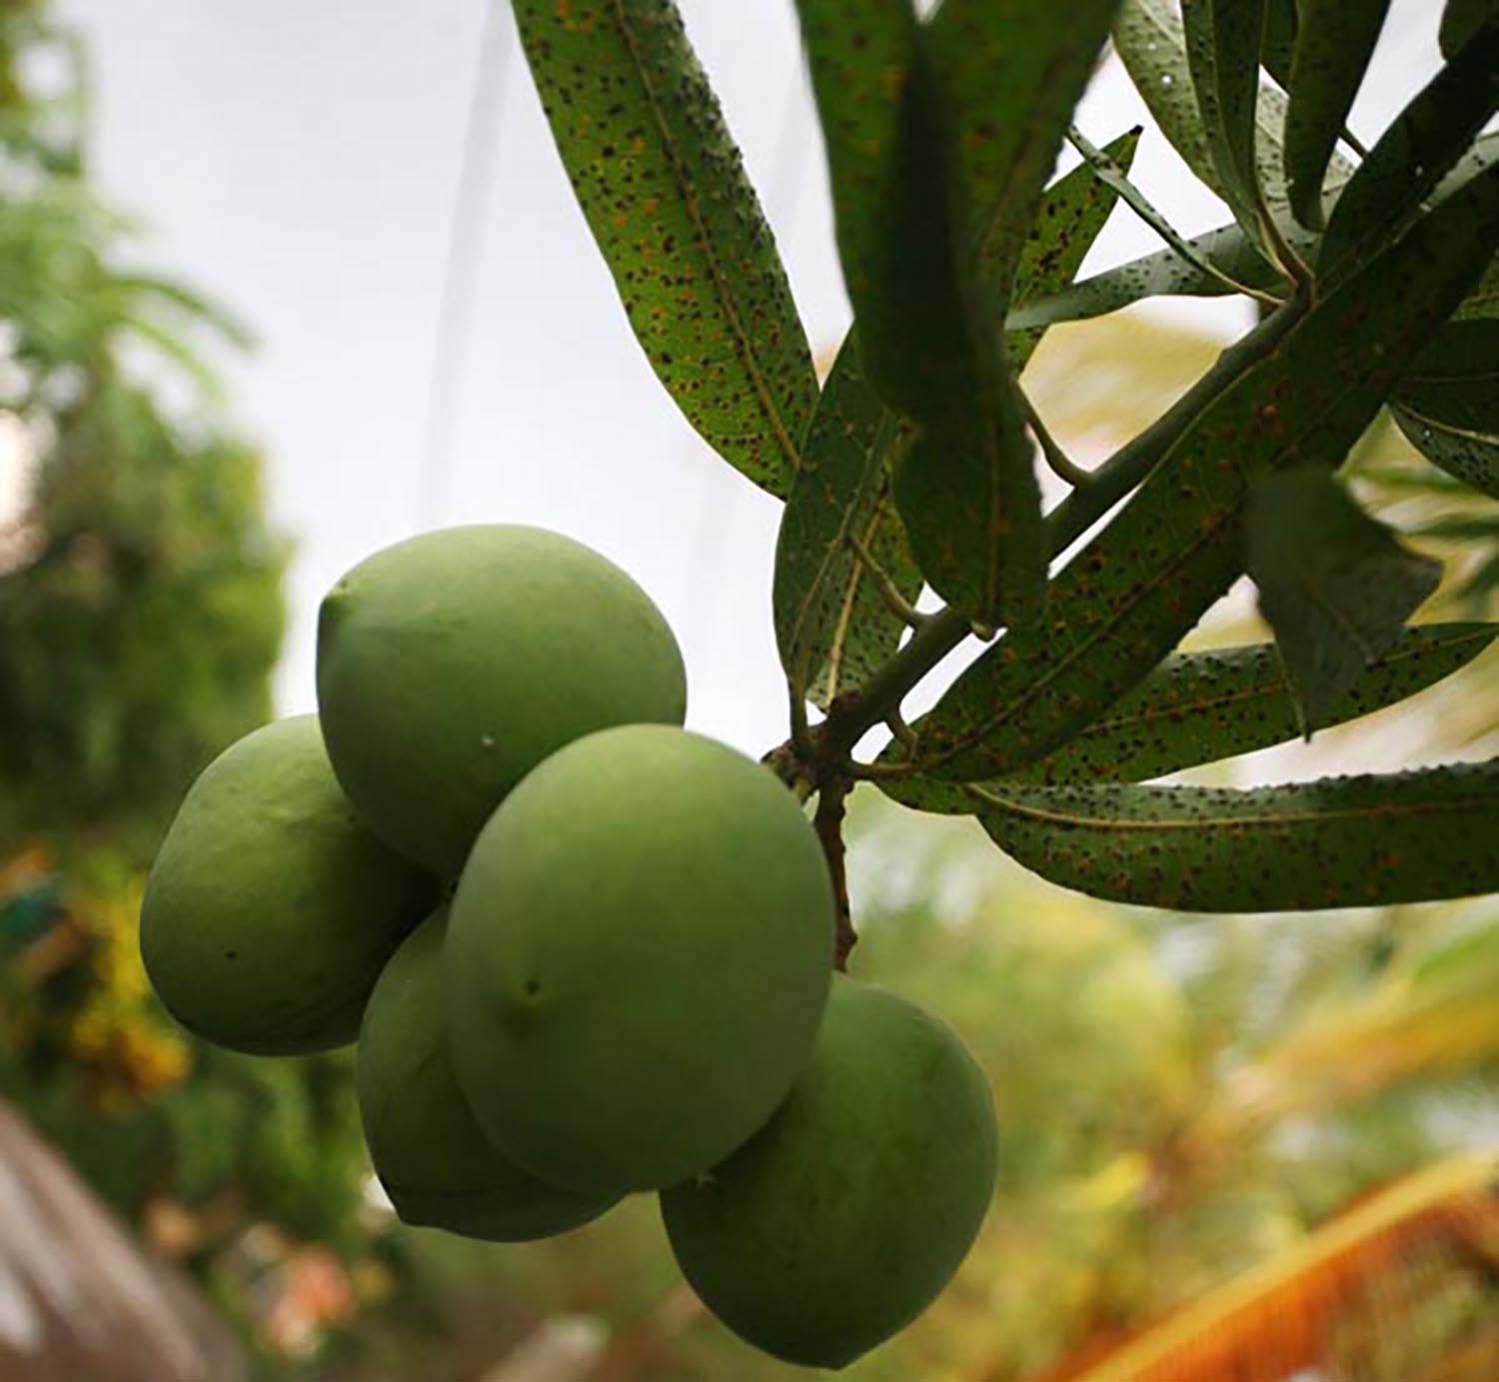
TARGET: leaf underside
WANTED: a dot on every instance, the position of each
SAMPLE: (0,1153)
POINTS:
(662,187)
(1201,708)
(1340,842)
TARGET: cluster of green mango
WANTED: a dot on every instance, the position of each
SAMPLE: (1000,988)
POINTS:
(584,952)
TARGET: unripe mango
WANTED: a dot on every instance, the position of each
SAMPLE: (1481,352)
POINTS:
(638,959)
(270,910)
(845,1216)
(436,1165)
(451,664)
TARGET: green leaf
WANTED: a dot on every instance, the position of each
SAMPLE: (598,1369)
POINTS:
(1472,457)
(1148,36)
(1072,213)
(1279,40)
(1341,842)
(662,187)
(1127,598)
(966,486)
(1461,19)
(1223,39)
(1014,71)
(1448,404)
(1333,46)
(1335,585)
(1162,274)
(832,626)
(1428,137)
(1198,708)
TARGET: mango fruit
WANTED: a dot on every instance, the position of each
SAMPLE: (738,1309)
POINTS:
(843,1218)
(451,664)
(638,959)
(438,1168)
(270,909)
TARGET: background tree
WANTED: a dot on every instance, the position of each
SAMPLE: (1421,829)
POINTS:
(140,620)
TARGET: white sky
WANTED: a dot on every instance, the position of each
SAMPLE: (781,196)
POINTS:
(301,161)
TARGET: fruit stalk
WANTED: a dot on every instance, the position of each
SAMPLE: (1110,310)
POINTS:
(828,823)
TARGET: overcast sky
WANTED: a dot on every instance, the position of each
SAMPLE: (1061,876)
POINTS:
(302,162)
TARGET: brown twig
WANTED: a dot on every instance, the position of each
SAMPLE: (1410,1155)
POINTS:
(828,823)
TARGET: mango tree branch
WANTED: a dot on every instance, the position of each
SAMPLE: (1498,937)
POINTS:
(1129,466)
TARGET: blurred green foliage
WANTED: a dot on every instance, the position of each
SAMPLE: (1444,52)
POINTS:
(140,606)
(141,617)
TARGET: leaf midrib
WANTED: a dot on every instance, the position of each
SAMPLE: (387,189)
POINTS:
(1230,824)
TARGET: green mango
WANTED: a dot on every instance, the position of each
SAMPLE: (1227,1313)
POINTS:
(638,959)
(450,665)
(840,1221)
(270,910)
(435,1163)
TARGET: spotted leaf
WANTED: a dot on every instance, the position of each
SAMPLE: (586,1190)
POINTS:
(1122,604)
(1430,136)
(1448,404)
(1198,708)
(1334,42)
(1361,841)
(662,187)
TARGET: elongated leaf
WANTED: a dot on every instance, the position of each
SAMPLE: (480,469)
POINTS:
(831,624)
(896,197)
(1162,274)
(1149,39)
(1014,71)
(1430,135)
(1334,43)
(1199,708)
(965,487)
(1113,176)
(1448,404)
(1223,39)
(1124,602)
(1279,41)
(662,187)
(1341,842)
(1167,274)
(1336,585)
(1072,213)
(1461,19)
